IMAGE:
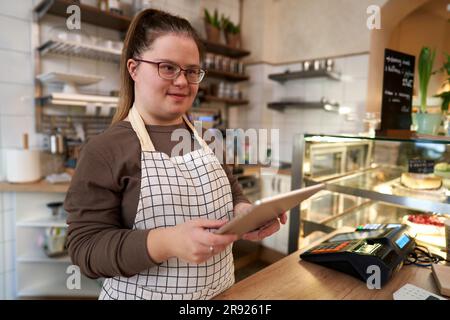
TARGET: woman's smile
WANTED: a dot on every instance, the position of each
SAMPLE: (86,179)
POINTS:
(178,96)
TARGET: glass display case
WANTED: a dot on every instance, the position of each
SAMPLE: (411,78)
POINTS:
(363,178)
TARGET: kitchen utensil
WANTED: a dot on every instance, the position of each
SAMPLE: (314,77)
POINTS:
(57,142)
(55,207)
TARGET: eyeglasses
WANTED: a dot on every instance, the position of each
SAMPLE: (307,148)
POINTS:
(170,71)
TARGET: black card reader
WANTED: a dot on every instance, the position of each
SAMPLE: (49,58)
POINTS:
(385,246)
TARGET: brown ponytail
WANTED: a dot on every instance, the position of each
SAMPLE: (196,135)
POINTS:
(144,29)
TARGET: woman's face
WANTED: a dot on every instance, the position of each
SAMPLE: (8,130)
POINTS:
(165,100)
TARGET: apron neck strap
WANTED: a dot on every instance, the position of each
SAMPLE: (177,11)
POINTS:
(202,142)
(138,126)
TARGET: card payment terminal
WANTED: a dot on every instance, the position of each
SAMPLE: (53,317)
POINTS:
(383,245)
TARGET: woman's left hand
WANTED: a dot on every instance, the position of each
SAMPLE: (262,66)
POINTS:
(268,229)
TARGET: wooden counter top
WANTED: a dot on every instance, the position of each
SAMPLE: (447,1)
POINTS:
(293,279)
(39,186)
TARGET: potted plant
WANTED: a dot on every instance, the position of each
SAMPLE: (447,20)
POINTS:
(212,26)
(427,122)
(232,32)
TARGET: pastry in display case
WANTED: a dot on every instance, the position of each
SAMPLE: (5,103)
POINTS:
(428,228)
(395,180)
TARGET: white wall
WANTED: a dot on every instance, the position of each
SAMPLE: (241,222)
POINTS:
(17,91)
(16,116)
(261,90)
(281,31)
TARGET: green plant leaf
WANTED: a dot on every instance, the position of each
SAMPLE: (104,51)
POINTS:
(212,19)
(425,68)
(208,16)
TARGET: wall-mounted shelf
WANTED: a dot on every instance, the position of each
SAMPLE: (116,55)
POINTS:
(281,105)
(230,76)
(225,50)
(286,76)
(90,14)
(79,50)
(323,104)
(231,102)
(79,100)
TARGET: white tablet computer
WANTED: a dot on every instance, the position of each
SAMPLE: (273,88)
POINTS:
(267,209)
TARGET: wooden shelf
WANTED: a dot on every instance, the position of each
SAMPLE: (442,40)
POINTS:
(230,76)
(286,76)
(89,14)
(225,50)
(97,17)
(225,100)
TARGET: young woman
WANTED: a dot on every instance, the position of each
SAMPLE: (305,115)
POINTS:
(139,215)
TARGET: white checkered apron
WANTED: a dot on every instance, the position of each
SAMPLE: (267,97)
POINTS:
(173,191)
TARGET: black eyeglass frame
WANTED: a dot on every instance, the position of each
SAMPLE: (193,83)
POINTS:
(180,69)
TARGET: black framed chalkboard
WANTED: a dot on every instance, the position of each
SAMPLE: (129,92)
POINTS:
(398,83)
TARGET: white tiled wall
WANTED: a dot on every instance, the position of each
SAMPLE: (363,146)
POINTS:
(350,92)
(17,91)
(16,117)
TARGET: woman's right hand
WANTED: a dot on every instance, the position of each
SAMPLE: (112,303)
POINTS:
(190,241)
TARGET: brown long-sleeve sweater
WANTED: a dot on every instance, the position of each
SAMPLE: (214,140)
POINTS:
(103,197)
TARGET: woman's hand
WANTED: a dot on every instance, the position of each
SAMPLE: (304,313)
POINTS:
(190,241)
(268,229)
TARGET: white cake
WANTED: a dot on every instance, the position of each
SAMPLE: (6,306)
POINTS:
(421,181)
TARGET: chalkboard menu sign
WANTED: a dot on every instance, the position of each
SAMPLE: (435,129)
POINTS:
(398,81)
(420,166)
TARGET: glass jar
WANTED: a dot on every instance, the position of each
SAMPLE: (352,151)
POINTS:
(209,61)
(218,62)
(241,69)
(114,7)
(234,66)
(225,64)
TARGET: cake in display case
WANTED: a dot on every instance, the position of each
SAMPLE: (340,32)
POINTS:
(372,180)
